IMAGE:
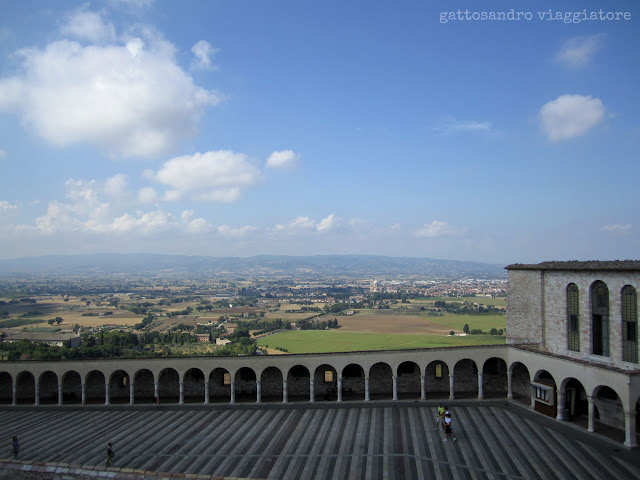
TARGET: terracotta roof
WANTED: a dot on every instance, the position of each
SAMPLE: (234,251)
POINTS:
(610,265)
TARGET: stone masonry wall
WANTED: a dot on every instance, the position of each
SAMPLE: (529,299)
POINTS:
(524,310)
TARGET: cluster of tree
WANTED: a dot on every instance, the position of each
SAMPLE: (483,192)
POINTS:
(315,324)
(339,307)
(305,310)
(166,338)
(463,308)
(146,321)
(57,321)
(16,301)
(177,313)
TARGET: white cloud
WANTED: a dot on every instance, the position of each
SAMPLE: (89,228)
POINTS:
(450,126)
(147,195)
(570,116)
(90,26)
(577,52)
(129,97)
(203,53)
(211,176)
(283,159)
(327,224)
(438,228)
(231,232)
(194,225)
(306,224)
(7,207)
(117,186)
(3,154)
(617,228)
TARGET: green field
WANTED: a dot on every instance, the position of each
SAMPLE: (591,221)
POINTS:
(481,322)
(316,341)
(496,302)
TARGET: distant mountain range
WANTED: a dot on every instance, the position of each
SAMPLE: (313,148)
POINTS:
(318,265)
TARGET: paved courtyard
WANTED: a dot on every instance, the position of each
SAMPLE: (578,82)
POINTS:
(496,440)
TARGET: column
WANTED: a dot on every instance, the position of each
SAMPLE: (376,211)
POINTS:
(15,393)
(423,389)
(630,429)
(37,402)
(451,394)
(560,407)
(233,392)
(155,391)
(131,394)
(258,391)
(367,396)
(395,387)
(59,394)
(206,392)
(509,386)
(285,393)
(84,393)
(181,393)
(340,387)
(480,392)
(312,393)
(107,396)
(590,423)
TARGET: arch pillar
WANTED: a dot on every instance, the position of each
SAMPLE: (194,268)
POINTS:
(591,421)
(233,392)
(155,391)
(15,392)
(181,393)
(37,402)
(84,393)
(312,393)
(367,395)
(560,406)
(206,392)
(340,387)
(131,395)
(107,394)
(452,395)
(258,391)
(480,392)
(395,387)
(285,393)
(509,386)
(423,390)
(59,394)
(630,429)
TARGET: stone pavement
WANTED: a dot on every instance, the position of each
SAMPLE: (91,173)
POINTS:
(377,440)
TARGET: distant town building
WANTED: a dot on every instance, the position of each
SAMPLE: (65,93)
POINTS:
(55,339)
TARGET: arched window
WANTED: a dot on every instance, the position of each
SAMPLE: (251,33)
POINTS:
(573,319)
(599,319)
(629,324)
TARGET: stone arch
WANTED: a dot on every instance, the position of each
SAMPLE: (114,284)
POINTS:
(48,388)
(246,388)
(95,387)
(119,387)
(520,383)
(381,381)
(6,388)
(168,386)
(408,375)
(465,379)
(325,381)
(494,378)
(436,379)
(353,382)
(608,409)
(193,385)
(544,393)
(25,388)
(298,383)
(220,386)
(143,386)
(271,386)
(576,403)
(71,388)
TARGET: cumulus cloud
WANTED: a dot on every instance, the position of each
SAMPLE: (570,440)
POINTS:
(438,228)
(203,53)
(128,97)
(617,228)
(7,207)
(577,52)
(450,126)
(570,116)
(147,195)
(117,186)
(283,159)
(211,176)
(306,224)
(231,232)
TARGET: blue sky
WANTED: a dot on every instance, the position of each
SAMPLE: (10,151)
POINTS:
(320,127)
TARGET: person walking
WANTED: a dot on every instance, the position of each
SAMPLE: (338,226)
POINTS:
(448,432)
(440,417)
(110,455)
(16,447)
